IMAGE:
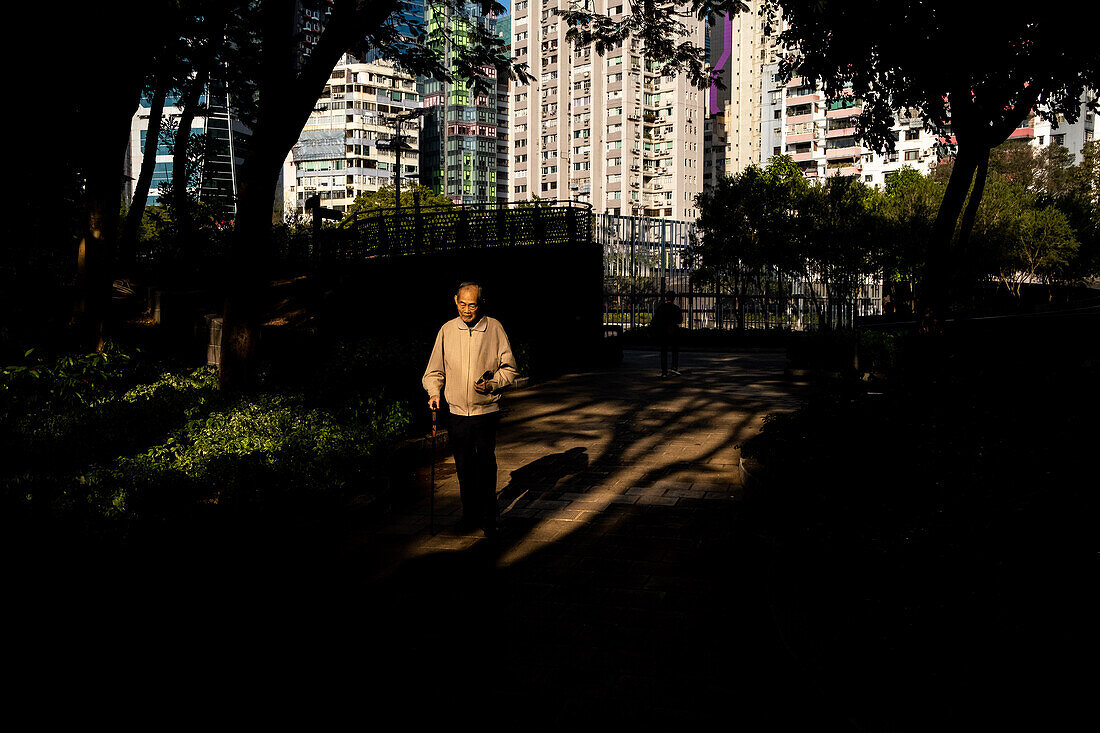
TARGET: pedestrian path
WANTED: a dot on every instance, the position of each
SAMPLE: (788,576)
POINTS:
(572,449)
(615,589)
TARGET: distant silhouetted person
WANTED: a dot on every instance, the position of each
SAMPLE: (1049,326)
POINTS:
(471,363)
(666,325)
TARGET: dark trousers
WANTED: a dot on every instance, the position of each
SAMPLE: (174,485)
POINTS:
(669,343)
(474,442)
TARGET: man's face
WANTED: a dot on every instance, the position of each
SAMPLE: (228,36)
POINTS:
(466,300)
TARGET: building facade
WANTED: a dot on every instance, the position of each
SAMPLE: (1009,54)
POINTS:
(1071,135)
(337,155)
(609,130)
(820,135)
(223,139)
(738,51)
(464,133)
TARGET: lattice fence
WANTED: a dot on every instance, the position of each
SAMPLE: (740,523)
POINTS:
(471,226)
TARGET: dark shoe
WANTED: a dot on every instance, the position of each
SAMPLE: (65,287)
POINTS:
(491,527)
(466,525)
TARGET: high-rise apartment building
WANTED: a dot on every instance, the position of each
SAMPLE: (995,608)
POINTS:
(464,140)
(222,136)
(337,155)
(610,130)
(820,135)
(1070,135)
(738,52)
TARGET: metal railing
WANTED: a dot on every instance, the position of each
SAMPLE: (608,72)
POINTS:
(645,257)
(438,229)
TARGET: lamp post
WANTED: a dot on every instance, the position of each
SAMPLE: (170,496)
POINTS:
(398,144)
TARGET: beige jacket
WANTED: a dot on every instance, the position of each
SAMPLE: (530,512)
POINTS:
(459,358)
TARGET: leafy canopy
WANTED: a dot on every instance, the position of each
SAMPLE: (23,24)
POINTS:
(969,69)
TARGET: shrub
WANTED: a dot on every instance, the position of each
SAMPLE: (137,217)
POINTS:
(158,447)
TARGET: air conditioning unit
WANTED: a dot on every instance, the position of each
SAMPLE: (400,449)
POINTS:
(586,74)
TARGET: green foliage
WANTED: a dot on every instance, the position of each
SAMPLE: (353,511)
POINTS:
(71,378)
(749,224)
(1036,222)
(385,199)
(141,442)
(764,226)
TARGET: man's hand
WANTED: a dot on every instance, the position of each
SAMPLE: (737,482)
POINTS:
(484,386)
(433,402)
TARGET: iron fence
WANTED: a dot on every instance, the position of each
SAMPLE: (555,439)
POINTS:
(433,230)
(645,257)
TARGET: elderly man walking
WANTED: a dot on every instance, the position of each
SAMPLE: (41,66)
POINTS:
(471,363)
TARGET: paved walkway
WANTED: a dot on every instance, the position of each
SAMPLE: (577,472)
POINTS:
(617,590)
(620,591)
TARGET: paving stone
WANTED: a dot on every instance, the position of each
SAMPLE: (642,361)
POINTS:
(603,584)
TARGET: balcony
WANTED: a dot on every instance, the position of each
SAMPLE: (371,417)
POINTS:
(849,152)
(798,119)
(841,132)
(803,99)
(801,137)
(845,170)
(800,157)
(843,112)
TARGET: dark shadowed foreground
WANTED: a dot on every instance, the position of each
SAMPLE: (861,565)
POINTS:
(634,582)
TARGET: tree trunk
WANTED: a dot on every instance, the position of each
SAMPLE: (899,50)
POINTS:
(248,270)
(287,95)
(181,157)
(107,126)
(933,299)
(128,239)
(965,277)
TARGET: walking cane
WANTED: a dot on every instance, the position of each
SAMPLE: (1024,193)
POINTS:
(431,496)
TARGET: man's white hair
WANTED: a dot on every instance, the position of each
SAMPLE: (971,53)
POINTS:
(471,284)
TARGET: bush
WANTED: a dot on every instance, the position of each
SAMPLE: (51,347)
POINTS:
(71,378)
(103,449)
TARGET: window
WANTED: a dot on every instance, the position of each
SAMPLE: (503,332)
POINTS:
(911,154)
(912,134)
